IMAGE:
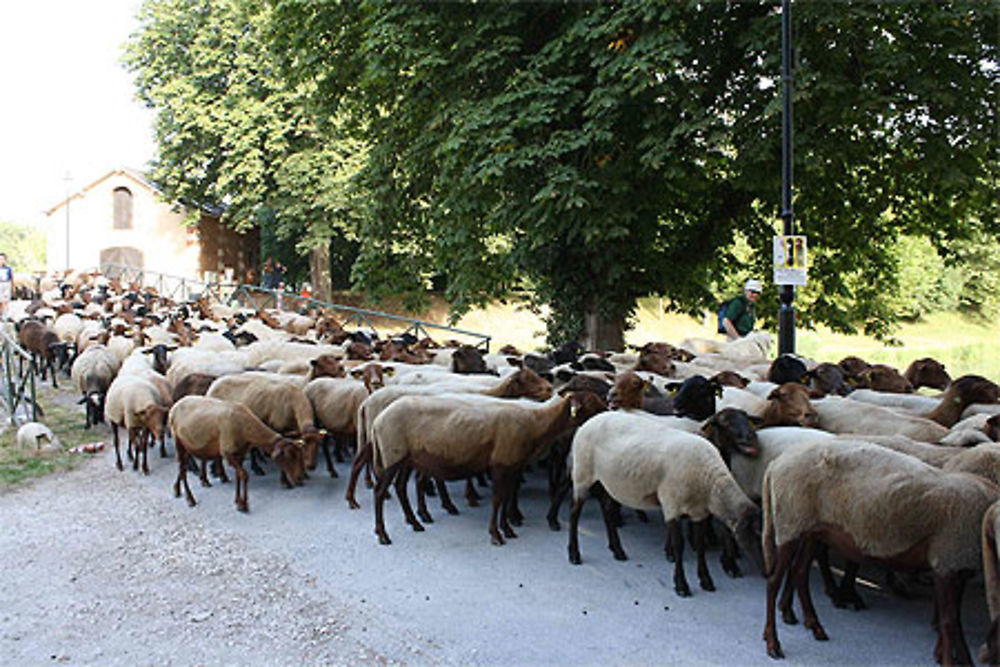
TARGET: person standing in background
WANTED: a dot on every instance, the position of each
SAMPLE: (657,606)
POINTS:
(742,313)
(6,286)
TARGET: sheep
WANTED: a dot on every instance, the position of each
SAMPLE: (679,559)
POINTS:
(188,360)
(789,405)
(642,465)
(915,403)
(92,373)
(213,341)
(755,346)
(34,436)
(67,327)
(209,428)
(989,652)
(750,403)
(453,439)
(278,402)
(828,378)
(44,346)
(121,346)
(810,496)
(787,368)
(963,392)
(264,350)
(135,403)
(335,403)
(843,415)
(881,377)
(525,383)
(927,372)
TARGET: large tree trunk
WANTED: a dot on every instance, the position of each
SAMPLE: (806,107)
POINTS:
(319,272)
(604,333)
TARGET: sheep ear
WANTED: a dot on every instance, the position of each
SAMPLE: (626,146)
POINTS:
(755,420)
(388,370)
(775,393)
(356,373)
(708,427)
(515,362)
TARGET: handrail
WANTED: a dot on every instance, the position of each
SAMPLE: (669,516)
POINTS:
(16,381)
(227,293)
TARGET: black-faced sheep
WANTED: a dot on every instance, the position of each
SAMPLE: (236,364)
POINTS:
(642,465)
(208,428)
(92,373)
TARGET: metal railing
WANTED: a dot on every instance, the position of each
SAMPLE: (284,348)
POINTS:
(18,371)
(252,296)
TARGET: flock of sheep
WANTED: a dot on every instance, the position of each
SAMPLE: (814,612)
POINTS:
(780,462)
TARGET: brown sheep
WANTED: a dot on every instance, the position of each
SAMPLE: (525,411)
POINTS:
(450,438)
(45,347)
(854,369)
(209,428)
(886,378)
(278,402)
(789,405)
(962,393)
(927,372)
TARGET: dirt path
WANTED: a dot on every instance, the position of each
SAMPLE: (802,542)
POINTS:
(99,571)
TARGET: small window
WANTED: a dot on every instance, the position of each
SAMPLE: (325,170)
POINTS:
(123,208)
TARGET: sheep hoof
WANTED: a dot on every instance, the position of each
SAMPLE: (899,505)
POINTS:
(177,490)
(497,540)
(205,483)
(574,558)
(774,651)
(450,509)
(191,502)
(383,538)
(707,585)
(425,517)
(242,507)
(118,464)
(353,504)
(554,524)
(683,590)
(333,474)
(417,527)
(788,616)
(818,632)
(619,554)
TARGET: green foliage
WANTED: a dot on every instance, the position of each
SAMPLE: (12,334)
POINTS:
(233,134)
(24,245)
(591,153)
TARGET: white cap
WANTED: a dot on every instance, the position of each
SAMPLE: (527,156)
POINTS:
(753,285)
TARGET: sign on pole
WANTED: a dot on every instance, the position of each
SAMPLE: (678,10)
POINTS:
(790,262)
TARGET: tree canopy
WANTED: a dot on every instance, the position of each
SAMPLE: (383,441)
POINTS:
(588,153)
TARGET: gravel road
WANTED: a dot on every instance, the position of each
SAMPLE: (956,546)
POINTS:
(106,567)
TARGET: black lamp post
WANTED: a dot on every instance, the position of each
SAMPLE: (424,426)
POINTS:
(786,312)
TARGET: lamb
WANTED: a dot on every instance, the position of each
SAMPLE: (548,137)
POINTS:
(209,428)
(451,439)
(280,404)
(642,465)
(34,437)
(808,498)
(92,373)
(524,383)
(135,403)
(843,415)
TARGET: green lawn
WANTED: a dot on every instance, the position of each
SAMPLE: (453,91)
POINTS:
(963,345)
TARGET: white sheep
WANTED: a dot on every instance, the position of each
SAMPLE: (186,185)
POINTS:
(67,326)
(261,351)
(137,404)
(772,443)
(644,466)
(748,402)
(861,498)
(37,437)
(92,373)
(213,341)
(121,346)
(915,403)
(188,360)
(843,415)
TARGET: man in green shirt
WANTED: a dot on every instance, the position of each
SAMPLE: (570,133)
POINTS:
(741,314)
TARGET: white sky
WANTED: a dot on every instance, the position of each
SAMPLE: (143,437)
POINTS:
(67,106)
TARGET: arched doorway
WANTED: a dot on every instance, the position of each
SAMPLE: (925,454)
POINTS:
(120,256)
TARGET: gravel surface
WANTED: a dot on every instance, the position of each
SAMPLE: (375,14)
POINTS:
(106,567)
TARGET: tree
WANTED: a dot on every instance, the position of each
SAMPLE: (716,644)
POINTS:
(592,153)
(232,135)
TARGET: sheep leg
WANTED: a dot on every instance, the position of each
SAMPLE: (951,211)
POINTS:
(361,458)
(574,523)
(380,492)
(785,605)
(641,516)
(513,511)
(242,482)
(784,557)
(422,512)
(163,444)
(446,503)
(508,503)
(255,459)
(948,593)
(556,497)
(326,455)
(203,474)
(402,478)
(810,620)
(730,551)
(471,497)
(700,529)
(118,453)
(182,457)
(846,593)
(607,510)
(498,498)
(677,538)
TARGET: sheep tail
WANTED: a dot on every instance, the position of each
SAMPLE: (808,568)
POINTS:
(767,534)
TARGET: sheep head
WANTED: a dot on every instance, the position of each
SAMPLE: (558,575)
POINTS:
(290,457)
(731,431)
(525,383)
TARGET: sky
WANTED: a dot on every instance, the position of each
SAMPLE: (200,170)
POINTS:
(68,106)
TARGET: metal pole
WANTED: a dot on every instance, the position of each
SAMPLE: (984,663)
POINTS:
(786,312)
(67,179)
